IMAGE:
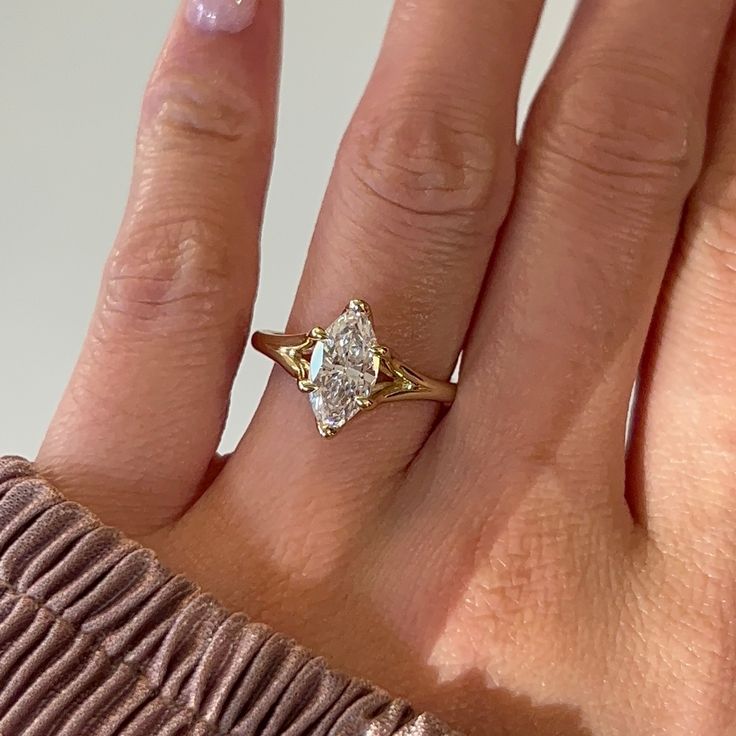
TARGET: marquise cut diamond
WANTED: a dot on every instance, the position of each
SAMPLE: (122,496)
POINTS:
(343,368)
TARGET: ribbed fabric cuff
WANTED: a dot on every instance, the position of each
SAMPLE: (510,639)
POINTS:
(98,638)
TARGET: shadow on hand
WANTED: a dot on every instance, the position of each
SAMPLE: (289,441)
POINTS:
(354,637)
(478,709)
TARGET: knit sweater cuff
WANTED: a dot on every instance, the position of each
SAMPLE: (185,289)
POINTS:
(97,638)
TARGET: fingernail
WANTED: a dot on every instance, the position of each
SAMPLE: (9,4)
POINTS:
(228,16)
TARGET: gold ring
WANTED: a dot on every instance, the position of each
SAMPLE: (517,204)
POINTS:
(345,370)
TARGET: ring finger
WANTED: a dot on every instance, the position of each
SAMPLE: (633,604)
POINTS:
(420,187)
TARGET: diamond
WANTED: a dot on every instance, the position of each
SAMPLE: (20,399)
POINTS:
(344,368)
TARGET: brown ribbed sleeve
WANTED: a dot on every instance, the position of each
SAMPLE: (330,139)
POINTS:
(97,638)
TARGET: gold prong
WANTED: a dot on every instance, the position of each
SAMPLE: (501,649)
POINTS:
(306,386)
(365,403)
(326,432)
(318,333)
(360,305)
(379,350)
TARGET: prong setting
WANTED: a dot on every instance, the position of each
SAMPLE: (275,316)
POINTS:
(325,431)
(306,386)
(365,403)
(360,306)
(318,333)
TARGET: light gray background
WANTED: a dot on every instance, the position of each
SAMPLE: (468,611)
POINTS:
(71,75)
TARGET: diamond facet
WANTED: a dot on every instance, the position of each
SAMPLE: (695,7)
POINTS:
(344,368)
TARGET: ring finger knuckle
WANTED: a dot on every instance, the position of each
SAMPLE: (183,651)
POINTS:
(419,165)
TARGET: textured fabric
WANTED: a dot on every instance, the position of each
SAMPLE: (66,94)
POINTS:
(97,638)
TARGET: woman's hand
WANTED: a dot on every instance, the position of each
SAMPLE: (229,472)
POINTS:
(509,564)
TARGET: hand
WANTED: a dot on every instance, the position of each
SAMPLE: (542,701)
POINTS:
(510,563)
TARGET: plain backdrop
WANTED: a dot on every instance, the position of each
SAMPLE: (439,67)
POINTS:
(72,74)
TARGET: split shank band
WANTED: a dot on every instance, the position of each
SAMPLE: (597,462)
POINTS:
(345,370)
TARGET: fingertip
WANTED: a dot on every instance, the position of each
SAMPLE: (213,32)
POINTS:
(221,16)
(230,77)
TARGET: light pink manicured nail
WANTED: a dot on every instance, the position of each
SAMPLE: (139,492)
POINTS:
(228,16)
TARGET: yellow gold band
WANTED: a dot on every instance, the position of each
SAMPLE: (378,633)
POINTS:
(351,372)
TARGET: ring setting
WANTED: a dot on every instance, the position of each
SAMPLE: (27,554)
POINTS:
(345,370)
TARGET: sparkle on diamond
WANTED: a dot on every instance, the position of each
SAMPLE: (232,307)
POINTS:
(343,368)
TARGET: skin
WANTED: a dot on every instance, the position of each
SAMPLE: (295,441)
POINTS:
(509,564)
